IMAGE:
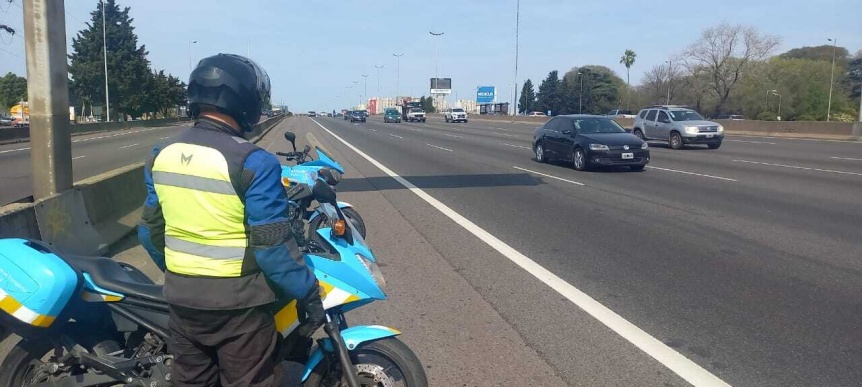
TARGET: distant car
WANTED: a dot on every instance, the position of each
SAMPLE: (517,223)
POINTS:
(391,115)
(620,113)
(357,115)
(348,114)
(588,141)
(312,114)
(736,117)
(536,114)
(678,126)
(455,115)
(5,121)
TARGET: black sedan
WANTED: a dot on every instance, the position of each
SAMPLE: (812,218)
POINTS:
(589,140)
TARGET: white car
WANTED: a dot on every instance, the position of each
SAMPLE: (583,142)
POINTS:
(455,115)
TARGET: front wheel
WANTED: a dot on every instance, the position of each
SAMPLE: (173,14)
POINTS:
(386,362)
(675,141)
(639,134)
(579,160)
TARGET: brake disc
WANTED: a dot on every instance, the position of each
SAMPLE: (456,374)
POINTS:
(377,373)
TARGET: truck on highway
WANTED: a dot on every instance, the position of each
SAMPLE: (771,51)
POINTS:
(411,111)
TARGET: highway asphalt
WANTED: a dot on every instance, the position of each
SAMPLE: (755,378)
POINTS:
(92,154)
(740,265)
(747,260)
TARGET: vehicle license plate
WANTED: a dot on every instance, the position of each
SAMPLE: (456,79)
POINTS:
(628,156)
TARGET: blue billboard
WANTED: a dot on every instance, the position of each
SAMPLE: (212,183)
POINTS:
(486,94)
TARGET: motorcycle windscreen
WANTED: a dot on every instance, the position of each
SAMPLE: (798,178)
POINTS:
(35,284)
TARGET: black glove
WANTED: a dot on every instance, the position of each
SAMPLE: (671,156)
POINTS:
(310,310)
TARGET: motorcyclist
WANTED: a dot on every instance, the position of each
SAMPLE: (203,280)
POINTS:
(215,221)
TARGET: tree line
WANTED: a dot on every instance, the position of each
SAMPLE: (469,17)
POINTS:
(729,69)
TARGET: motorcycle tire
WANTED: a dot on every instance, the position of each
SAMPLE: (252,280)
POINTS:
(399,362)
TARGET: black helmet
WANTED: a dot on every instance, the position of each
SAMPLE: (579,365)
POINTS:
(233,84)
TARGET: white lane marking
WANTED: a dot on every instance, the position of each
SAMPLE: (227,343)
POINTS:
(128,146)
(14,150)
(800,139)
(78,157)
(552,177)
(164,138)
(508,135)
(123,133)
(415,130)
(395,135)
(373,130)
(456,129)
(452,135)
(517,146)
(752,142)
(798,167)
(845,158)
(439,147)
(692,173)
(503,129)
(667,356)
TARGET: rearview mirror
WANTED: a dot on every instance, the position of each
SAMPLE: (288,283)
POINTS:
(307,149)
(323,193)
(329,176)
(290,136)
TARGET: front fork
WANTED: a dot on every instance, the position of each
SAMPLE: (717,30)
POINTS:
(332,327)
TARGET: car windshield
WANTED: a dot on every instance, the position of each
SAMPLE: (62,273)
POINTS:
(685,115)
(457,110)
(415,110)
(597,125)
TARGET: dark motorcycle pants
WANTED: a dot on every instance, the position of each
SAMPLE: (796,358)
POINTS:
(224,348)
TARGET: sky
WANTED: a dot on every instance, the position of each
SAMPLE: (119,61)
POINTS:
(314,50)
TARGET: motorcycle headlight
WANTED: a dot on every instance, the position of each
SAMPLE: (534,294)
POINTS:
(373,269)
(691,129)
(645,145)
(599,147)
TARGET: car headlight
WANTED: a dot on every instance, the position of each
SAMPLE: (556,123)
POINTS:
(721,129)
(645,145)
(599,147)
(691,129)
(373,269)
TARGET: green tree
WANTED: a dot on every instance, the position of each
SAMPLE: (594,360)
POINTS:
(168,92)
(628,59)
(601,90)
(549,96)
(427,104)
(823,53)
(13,89)
(129,76)
(528,98)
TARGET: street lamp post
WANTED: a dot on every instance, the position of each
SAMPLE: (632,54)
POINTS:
(774,92)
(190,53)
(378,79)
(365,93)
(831,78)
(669,75)
(105,51)
(581,96)
(768,93)
(397,73)
(517,29)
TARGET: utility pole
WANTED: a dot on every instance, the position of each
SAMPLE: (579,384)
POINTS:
(47,86)
(831,78)
(669,80)
(398,74)
(105,52)
(436,64)
(366,86)
(517,26)
(581,97)
(190,53)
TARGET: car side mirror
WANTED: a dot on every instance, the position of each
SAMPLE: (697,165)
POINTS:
(567,132)
(290,136)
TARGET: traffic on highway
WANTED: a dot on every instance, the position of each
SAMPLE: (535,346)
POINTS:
(415,200)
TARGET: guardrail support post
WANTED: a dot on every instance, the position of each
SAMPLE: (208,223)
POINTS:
(48,91)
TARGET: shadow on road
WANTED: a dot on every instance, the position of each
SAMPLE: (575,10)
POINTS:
(440,181)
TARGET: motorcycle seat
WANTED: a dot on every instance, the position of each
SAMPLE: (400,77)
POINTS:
(108,274)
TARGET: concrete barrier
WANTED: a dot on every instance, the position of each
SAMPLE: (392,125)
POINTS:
(96,213)
(22,134)
(792,129)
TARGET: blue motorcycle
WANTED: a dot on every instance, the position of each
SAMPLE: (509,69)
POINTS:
(306,173)
(88,321)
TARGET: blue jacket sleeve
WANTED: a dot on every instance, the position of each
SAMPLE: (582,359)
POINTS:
(272,240)
(151,228)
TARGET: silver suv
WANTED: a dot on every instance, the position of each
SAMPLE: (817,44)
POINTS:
(678,126)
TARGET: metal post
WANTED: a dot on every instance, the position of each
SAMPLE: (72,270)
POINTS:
(831,79)
(669,65)
(48,90)
(378,79)
(436,65)
(517,28)
(365,93)
(190,53)
(397,74)
(581,96)
(105,52)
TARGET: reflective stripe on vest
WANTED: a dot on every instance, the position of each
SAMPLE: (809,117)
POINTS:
(205,233)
